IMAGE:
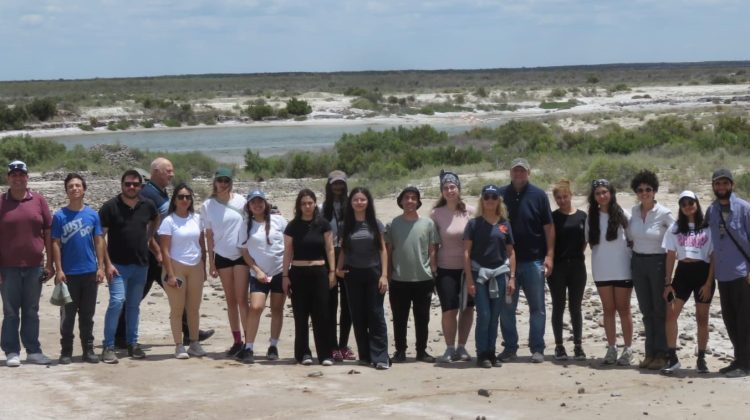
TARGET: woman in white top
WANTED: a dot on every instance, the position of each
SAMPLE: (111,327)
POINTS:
(688,242)
(184,251)
(648,223)
(610,265)
(223,216)
(261,242)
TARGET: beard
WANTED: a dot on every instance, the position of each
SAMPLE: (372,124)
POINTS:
(723,196)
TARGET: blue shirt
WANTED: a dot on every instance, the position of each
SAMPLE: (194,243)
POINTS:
(488,241)
(76,231)
(158,196)
(729,263)
(529,212)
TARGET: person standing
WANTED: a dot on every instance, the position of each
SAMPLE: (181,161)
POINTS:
(129,223)
(451,216)
(648,223)
(729,221)
(363,257)
(534,235)
(570,269)
(411,242)
(78,252)
(25,223)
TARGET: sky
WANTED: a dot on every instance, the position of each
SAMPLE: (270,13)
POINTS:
(64,39)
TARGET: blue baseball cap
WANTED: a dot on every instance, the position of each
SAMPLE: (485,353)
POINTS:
(256,194)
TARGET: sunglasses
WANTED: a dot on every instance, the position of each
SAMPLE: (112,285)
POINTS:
(644,190)
(490,196)
(131,184)
(17,167)
(184,197)
(224,180)
(600,183)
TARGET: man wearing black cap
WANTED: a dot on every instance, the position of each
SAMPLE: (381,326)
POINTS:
(729,222)
(412,242)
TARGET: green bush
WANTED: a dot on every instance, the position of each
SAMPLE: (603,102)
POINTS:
(258,112)
(742,185)
(85,127)
(620,87)
(169,122)
(29,149)
(570,103)
(42,108)
(366,104)
(298,107)
(617,172)
(557,93)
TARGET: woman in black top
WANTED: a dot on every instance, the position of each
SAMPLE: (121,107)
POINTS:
(308,254)
(570,268)
(361,263)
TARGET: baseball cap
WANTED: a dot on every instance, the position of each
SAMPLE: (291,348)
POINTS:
(687,194)
(722,173)
(491,189)
(256,194)
(223,172)
(335,176)
(520,162)
(18,165)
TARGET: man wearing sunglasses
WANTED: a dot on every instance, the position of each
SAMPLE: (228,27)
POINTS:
(25,223)
(129,222)
(534,235)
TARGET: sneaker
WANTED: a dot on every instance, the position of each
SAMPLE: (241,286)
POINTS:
(461,354)
(399,356)
(196,349)
(135,351)
(507,356)
(537,357)
(38,359)
(272,353)
(701,366)
(12,360)
(327,362)
(560,353)
(578,353)
(307,360)
(180,353)
(670,367)
(246,356)
(109,356)
(382,366)
(447,357)
(736,373)
(426,357)
(611,357)
(347,353)
(236,348)
(337,355)
(730,367)
(203,335)
(626,357)
(89,356)
(65,359)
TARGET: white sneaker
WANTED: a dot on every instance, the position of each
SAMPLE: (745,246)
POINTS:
(12,360)
(38,359)
(327,362)
(196,349)
(611,357)
(461,354)
(447,357)
(537,357)
(180,353)
(626,357)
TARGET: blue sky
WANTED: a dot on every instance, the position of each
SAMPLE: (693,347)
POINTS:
(51,39)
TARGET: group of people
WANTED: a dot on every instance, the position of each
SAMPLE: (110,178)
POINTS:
(339,254)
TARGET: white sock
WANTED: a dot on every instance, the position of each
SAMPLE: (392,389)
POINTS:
(248,346)
(274,341)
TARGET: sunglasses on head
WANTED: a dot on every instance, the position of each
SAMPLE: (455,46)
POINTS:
(184,197)
(129,184)
(599,183)
(490,196)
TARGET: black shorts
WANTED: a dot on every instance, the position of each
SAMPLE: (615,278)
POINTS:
(448,285)
(623,284)
(222,262)
(689,278)
(274,286)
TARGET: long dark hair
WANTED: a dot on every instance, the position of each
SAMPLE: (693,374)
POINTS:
(370,219)
(682,226)
(266,218)
(173,200)
(330,199)
(306,192)
(616,214)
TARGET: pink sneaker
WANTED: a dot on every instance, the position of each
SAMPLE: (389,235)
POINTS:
(348,354)
(337,356)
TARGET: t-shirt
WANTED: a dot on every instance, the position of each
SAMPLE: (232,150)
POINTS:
(270,258)
(610,260)
(570,235)
(362,252)
(158,196)
(76,231)
(127,239)
(185,232)
(308,239)
(451,226)
(21,229)
(488,241)
(696,244)
(529,212)
(225,221)
(410,241)
(647,235)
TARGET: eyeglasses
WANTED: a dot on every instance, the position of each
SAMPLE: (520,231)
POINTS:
(131,184)
(184,197)
(490,196)
(224,180)
(644,190)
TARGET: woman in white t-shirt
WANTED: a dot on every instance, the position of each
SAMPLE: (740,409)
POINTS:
(610,266)
(184,251)
(223,217)
(688,242)
(261,243)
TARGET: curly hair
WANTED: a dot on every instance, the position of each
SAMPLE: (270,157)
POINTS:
(645,177)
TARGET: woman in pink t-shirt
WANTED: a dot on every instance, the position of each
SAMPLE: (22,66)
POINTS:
(451,215)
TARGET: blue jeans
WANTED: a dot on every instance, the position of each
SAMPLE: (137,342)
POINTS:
(20,290)
(488,313)
(529,278)
(125,289)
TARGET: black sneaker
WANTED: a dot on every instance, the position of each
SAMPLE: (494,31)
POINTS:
(236,348)
(272,353)
(246,356)
(560,353)
(730,367)
(426,357)
(399,357)
(65,359)
(89,356)
(701,366)
(202,336)
(484,363)
(506,356)
(135,351)
(578,353)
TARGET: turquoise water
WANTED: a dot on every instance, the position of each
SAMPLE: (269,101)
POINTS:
(228,144)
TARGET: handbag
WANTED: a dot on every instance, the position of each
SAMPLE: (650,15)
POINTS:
(60,295)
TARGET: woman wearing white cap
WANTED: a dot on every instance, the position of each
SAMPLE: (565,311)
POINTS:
(262,246)
(688,242)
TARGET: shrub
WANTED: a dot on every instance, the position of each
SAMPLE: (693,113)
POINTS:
(617,172)
(42,109)
(570,103)
(742,185)
(298,107)
(620,87)
(481,92)
(721,80)
(169,122)
(29,149)
(85,127)
(259,111)
(557,93)
(592,79)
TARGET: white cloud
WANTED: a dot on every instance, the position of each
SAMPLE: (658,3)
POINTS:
(32,20)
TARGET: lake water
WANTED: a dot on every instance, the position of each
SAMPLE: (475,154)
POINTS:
(228,144)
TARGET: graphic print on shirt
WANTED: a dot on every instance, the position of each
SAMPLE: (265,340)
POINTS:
(74,227)
(693,239)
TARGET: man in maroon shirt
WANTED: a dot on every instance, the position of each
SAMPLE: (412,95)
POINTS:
(25,223)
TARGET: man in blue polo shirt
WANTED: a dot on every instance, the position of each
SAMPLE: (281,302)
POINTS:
(729,222)
(534,233)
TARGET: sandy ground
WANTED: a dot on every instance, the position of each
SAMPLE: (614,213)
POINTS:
(216,387)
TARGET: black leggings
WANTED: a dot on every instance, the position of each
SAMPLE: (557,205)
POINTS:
(567,275)
(310,300)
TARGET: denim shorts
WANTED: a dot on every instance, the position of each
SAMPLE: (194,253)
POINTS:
(274,286)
